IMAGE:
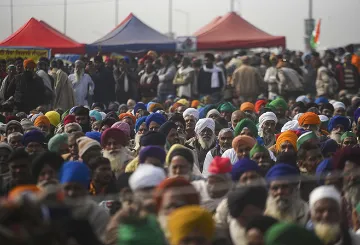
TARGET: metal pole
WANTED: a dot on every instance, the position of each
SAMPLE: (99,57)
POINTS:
(187,23)
(12,15)
(310,9)
(65,15)
(116,12)
(232,5)
(170,18)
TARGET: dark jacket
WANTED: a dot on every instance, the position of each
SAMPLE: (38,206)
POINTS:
(29,92)
(204,82)
(104,86)
(122,96)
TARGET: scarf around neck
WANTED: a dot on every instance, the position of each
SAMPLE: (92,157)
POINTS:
(215,83)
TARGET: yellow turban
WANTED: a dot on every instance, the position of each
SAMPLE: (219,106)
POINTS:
(172,148)
(186,219)
(54,117)
(286,136)
(309,118)
(184,102)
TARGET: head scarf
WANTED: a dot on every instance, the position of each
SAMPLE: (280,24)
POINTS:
(212,112)
(41,120)
(286,136)
(155,117)
(279,103)
(138,123)
(246,123)
(243,140)
(282,171)
(338,105)
(303,98)
(152,151)
(57,141)
(220,165)
(267,116)
(85,143)
(242,166)
(69,119)
(305,137)
(33,136)
(118,135)
(258,105)
(123,126)
(290,125)
(139,106)
(336,120)
(321,100)
(322,192)
(204,123)
(184,220)
(75,172)
(309,118)
(247,106)
(181,150)
(146,176)
(347,135)
(95,114)
(258,148)
(13,122)
(191,112)
(54,117)
(129,115)
(226,107)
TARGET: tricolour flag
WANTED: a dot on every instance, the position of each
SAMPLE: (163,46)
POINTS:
(315,37)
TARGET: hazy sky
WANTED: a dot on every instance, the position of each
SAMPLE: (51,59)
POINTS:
(88,20)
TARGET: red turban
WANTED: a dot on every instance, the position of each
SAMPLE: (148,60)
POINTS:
(220,165)
(129,115)
(309,118)
(69,119)
(185,189)
(29,63)
(258,105)
(114,133)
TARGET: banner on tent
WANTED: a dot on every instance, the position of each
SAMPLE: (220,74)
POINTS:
(186,44)
(25,53)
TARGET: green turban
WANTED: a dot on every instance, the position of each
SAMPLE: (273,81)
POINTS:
(286,233)
(56,142)
(306,137)
(226,107)
(246,123)
(278,102)
(347,134)
(258,148)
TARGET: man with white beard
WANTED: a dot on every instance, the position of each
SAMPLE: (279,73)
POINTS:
(204,139)
(267,123)
(284,202)
(82,84)
(326,217)
(113,142)
(337,126)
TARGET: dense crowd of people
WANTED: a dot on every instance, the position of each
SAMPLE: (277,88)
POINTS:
(258,149)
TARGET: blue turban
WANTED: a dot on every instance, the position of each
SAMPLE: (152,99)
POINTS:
(33,136)
(323,169)
(336,120)
(242,166)
(204,110)
(94,135)
(126,59)
(72,110)
(76,172)
(96,115)
(139,106)
(321,100)
(328,146)
(282,171)
(357,115)
(138,123)
(152,151)
(155,117)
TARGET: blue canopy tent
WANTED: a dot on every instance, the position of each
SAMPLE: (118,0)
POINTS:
(132,36)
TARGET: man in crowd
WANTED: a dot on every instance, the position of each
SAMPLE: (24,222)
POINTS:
(125,82)
(63,88)
(166,76)
(104,82)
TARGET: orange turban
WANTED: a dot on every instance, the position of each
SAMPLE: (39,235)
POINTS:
(17,191)
(286,136)
(195,104)
(40,120)
(175,106)
(258,104)
(29,63)
(129,115)
(243,140)
(309,118)
(247,106)
(154,106)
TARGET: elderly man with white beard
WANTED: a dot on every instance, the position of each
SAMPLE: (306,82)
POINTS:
(113,142)
(326,217)
(82,84)
(284,202)
(337,126)
(267,123)
(204,139)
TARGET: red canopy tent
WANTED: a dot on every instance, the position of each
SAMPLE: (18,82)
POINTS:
(232,32)
(39,34)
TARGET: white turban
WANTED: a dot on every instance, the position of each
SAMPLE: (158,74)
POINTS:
(323,192)
(213,111)
(103,115)
(191,112)
(323,118)
(297,116)
(267,116)
(290,125)
(204,123)
(338,105)
(303,98)
(145,176)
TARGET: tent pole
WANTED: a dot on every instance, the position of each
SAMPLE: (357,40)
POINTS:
(232,5)
(116,12)
(170,18)
(65,15)
(12,15)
